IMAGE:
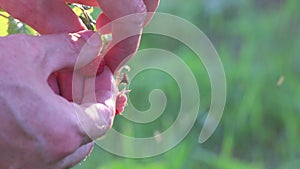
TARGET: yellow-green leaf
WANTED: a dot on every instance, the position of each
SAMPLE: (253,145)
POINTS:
(3,23)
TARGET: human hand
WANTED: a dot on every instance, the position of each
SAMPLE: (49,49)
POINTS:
(55,17)
(48,17)
(38,128)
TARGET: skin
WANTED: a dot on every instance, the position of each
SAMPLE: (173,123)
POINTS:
(41,86)
(40,129)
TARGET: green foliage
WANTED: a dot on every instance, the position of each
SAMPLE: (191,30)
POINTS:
(9,25)
(3,23)
(258,43)
(15,26)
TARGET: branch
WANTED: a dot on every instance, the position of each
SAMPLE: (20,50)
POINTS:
(4,16)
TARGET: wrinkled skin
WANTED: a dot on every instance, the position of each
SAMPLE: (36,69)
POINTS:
(39,126)
(40,129)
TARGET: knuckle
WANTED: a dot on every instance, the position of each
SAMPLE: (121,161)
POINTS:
(73,41)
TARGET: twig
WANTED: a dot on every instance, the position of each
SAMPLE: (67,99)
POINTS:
(4,16)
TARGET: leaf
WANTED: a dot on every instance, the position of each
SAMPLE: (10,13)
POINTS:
(91,10)
(30,30)
(16,26)
(13,26)
(3,22)
(77,11)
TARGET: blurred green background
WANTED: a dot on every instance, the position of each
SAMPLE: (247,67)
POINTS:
(258,42)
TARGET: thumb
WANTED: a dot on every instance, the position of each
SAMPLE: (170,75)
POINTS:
(73,50)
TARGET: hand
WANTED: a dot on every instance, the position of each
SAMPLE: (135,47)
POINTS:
(38,128)
(49,17)
(55,16)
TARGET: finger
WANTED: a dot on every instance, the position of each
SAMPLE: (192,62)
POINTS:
(64,60)
(115,9)
(103,20)
(99,89)
(125,40)
(126,34)
(70,85)
(73,159)
(43,15)
(67,50)
(93,68)
(98,105)
(126,26)
(120,51)
(71,82)
(102,24)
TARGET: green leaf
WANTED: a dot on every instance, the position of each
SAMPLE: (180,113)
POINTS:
(16,26)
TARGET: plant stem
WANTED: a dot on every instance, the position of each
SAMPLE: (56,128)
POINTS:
(4,16)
